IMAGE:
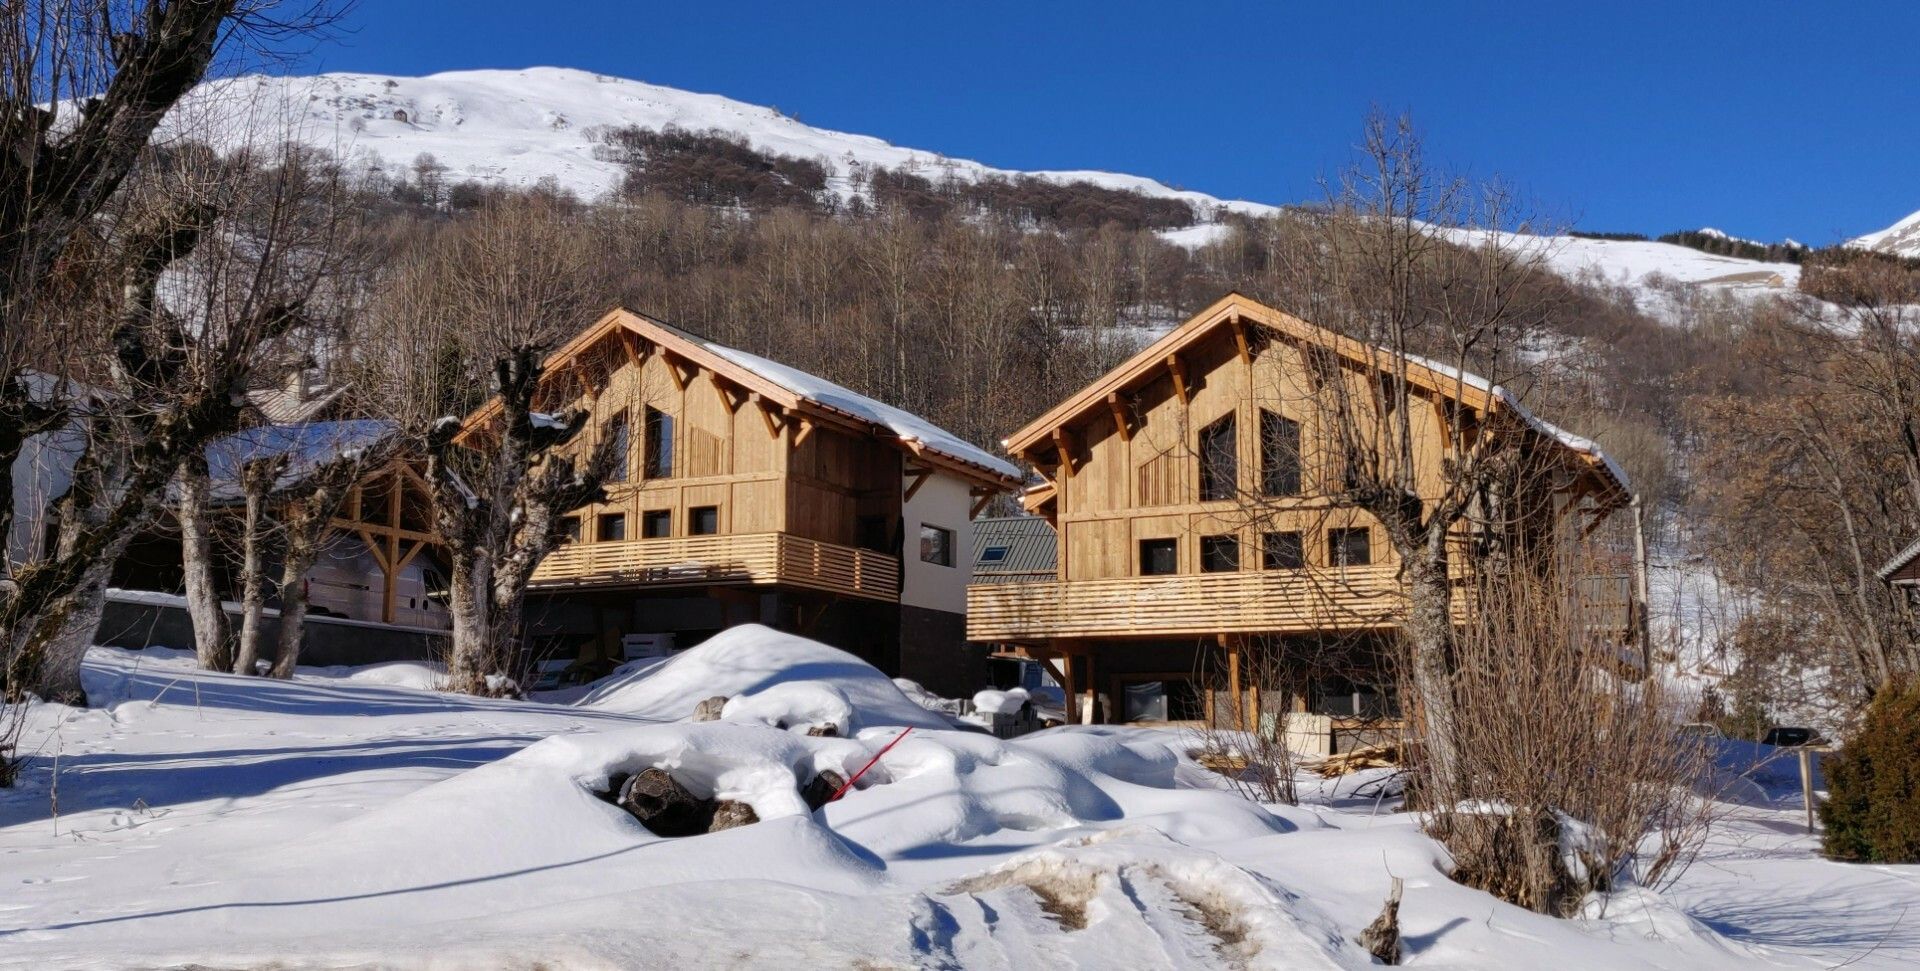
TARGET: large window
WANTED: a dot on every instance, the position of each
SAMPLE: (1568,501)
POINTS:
(656,523)
(659,444)
(1349,547)
(1159,557)
(612,528)
(615,431)
(703,520)
(1219,554)
(936,545)
(1279,455)
(1283,551)
(569,529)
(1219,471)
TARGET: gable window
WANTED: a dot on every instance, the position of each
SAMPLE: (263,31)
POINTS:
(615,431)
(1350,547)
(1283,551)
(659,444)
(656,523)
(993,554)
(1219,471)
(1279,455)
(703,520)
(1158,557)
(936,545)
(568,529)
(1219,554)
(611,527)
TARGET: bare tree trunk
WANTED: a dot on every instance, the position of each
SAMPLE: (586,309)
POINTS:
(257,479)
(1429,635)
(474,651)
(212,635)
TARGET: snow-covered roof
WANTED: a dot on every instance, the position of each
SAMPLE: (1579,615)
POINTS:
(909,427)
(1585,446)
(1900,561)
(307,446)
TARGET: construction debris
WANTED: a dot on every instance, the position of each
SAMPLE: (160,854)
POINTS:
(1386,755)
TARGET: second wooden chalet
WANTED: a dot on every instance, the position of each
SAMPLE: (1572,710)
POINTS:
(749,491)
(1159,566)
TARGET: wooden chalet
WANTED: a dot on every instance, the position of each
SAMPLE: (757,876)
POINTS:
(1158,567)
(1903,571)
(753,492)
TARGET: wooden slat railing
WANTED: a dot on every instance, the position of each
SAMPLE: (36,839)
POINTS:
(749,559)
(1357,598)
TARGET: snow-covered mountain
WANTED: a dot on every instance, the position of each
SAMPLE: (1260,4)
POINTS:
(1901,238)
(516,127)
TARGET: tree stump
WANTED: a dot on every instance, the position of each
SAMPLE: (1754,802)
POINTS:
(822,788)
(1382,937)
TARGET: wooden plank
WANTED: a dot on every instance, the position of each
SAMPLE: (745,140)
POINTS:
(1120,419)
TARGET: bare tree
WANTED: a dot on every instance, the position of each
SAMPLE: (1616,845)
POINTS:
(1418,268)
(83,87)
(486,305)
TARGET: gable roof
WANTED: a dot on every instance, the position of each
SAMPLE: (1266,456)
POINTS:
(306,446)
(796,391)
(1030,549)
(1235,309)
(1904,568)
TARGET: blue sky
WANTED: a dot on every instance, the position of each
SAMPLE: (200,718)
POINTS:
(1766,119)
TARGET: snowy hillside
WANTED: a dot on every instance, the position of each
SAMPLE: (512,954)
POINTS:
(1901,238)
(516,127)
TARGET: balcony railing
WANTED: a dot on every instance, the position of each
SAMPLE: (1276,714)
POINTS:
(1356,598)
(1243,602)
(746,559)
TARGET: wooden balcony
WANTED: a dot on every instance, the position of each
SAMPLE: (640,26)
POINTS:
(1245,602)
(1291,602)
(750,559)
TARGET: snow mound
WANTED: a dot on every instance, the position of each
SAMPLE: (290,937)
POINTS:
(993,702)
(794,706)
(751,659)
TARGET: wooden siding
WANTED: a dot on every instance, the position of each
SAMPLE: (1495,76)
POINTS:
(754,559)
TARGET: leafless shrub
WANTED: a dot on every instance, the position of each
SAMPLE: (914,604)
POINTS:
(1571,777)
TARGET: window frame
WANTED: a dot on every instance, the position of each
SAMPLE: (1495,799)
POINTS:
(1212,546)
(1156,544)
(650,516)
(619,429)
(943,553)
(603,520)
(658,443)
(1271,423)
(1268,558)
(1337,549)
(1219,469)
(694,514)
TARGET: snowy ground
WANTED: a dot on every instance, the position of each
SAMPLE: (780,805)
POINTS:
(351,818)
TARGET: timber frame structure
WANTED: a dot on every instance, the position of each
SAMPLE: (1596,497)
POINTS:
(748,491)
(1157,568)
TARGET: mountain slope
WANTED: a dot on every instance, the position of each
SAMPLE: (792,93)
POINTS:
(517,127)
(1900,239)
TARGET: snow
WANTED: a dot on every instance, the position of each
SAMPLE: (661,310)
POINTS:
(908,426)
(331,820)
(994,702)
(1585,446)
(304,447)
(747,660)
(1901,239)
(518,127)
